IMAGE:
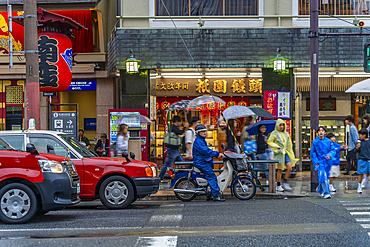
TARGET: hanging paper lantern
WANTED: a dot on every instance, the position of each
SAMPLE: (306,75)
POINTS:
(55,61)
(165,105)
(221,106)
(231,103)
(156,106)
(243,103)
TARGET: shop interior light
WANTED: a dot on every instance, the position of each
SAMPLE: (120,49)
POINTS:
(279,61)
(132,64)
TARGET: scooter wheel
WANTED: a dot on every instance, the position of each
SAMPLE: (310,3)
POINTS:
(249,188)
(188,185)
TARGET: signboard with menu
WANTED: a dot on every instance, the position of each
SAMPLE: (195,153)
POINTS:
(132,119)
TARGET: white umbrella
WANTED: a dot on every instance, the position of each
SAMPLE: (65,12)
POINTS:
(237,111)
(360,87)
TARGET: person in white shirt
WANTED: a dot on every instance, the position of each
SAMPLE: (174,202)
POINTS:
(190,137)
(122,140)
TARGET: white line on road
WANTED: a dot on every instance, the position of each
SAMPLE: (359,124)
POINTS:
(365,225)
(358,204)
(168,217)
(67,229)
(360,213)
(174,205)
(363,220)
(165,241)
(358,208)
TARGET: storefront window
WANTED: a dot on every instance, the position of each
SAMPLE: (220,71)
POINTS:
(337,7)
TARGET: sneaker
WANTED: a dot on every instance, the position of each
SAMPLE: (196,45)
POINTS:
(359,190)
(286,186)
(322,194)
(331,188)
(327,196)
(363,183)
(279,188)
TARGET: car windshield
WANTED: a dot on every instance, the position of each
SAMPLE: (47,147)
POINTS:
(4,145)
(78,147)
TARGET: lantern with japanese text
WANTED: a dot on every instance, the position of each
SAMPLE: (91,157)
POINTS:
(55,61)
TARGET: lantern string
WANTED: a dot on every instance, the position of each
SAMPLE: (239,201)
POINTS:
(203,77)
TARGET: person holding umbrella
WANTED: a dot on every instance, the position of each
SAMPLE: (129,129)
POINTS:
(281,144)
(261,147)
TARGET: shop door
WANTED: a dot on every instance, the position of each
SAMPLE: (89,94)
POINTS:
(14,117)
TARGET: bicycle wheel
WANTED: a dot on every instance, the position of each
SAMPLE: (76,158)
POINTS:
(249,188)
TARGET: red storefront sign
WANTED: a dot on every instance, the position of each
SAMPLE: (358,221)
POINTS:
(55,61)
(270,102)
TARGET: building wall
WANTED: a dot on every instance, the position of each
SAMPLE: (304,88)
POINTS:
(104,101)
(343,101)
(86,107)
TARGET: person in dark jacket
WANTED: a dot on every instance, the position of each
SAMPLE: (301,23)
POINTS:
(102,146)
(231,144)
(202,159)
(173,152)
(262,146)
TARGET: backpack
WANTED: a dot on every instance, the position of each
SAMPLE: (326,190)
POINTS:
(171,140)
(183,144)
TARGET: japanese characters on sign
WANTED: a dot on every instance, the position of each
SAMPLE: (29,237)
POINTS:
(65,122)
(270,102)
(55,61)
(216,86)
(283,99)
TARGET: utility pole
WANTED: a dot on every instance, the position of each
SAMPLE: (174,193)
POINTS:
(32,90)
(314,93)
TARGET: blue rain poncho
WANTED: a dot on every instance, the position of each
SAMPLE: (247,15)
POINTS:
(319,149)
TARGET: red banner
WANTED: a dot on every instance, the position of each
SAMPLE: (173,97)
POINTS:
(270,102)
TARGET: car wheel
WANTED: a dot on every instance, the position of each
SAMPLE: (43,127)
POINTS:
(116,192)
(18,203)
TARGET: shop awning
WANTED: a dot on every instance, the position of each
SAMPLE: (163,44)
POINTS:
(360,87)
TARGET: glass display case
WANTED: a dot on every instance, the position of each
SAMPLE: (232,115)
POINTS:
(337,127)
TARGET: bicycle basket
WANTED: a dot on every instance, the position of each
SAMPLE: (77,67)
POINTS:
(241,164)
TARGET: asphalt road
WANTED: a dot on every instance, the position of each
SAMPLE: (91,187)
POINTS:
(310,221)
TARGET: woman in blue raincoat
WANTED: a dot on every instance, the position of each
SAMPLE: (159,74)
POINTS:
(322,151)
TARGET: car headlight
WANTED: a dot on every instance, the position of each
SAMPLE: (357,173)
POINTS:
(51,166)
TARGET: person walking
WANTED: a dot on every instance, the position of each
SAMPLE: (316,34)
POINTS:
(322,151)
(190,137)
(231,143)
(366,121)
(262,148)
(281,144)
(173,152)
(352,142)
(335,161)
(122,140)
(363,150)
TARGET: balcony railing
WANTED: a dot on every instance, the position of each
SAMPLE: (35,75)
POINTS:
(337,7)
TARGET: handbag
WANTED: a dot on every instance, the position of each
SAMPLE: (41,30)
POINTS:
(250,146)
(171,140)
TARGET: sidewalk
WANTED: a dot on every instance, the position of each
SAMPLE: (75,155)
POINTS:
(301,185)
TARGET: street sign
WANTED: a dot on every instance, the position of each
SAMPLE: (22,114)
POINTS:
(47,94)
(65,121)
(82,85)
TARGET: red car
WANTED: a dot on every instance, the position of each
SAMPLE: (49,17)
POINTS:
(31,182)
(116,182)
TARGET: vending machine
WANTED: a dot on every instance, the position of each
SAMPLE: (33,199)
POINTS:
(139,128)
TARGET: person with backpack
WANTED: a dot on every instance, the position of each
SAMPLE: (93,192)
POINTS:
(173,152)
(190,135)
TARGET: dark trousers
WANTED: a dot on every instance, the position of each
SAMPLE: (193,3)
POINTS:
(351,157)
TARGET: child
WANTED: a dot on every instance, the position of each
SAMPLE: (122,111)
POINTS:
(322,150)
(202,159)
(335,161)
(363,150)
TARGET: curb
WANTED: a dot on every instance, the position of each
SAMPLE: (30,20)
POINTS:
(225,196)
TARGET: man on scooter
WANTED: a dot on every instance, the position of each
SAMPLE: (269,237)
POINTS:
(203,160)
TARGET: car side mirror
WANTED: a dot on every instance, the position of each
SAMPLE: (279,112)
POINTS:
(125,155)
(132,155)
(30,148)
(223,146)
